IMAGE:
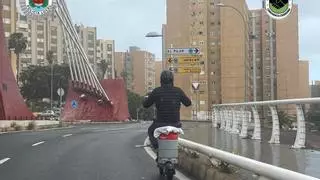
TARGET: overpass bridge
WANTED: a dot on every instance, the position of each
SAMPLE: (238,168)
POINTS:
(90,154)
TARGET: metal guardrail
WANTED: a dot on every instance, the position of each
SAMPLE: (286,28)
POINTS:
(262,170)
(232,115)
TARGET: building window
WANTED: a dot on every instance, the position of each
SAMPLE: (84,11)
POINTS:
(109,47)
(201,22)
(194,43)
(201,42)
(211,33)
(212,13)
(212,23)
(193,14)
(212,4)
(200,33)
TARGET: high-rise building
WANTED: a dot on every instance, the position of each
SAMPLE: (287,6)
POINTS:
(158,70)
(221,34)
(124,68)
(43,35)
(274,47)
(143,64)
(234,40)
(106,51)
(88,38)
(9,14)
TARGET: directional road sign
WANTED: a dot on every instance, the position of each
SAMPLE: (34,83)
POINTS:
(74,104)
(186,60)
(182,51)
(185,69)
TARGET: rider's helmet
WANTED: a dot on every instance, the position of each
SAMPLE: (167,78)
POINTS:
(166,77)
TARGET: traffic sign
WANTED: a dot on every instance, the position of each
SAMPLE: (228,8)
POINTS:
(74,104)
(188,70)
(60,92)
(183,51)
(195,85)
(187,60)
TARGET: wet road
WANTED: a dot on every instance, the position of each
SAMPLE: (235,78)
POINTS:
(303,161)
(89,152)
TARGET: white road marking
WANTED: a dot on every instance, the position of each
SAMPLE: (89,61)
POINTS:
(4,160)
(38,143)
(67,135)
(178,174)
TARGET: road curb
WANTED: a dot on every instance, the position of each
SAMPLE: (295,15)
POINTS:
(39,130)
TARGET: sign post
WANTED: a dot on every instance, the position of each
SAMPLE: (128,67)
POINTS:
(186,61)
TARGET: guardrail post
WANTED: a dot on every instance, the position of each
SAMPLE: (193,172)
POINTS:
(275,136)
(223,118)
(229,120)
(235,123)
(244,128)
(257,125)
(301,128)
(214,118)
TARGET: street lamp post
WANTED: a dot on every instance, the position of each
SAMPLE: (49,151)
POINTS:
(155,34)
(245,47)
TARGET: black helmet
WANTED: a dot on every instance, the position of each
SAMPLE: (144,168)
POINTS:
(166,77)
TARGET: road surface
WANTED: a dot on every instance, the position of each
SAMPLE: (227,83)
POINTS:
(95,152)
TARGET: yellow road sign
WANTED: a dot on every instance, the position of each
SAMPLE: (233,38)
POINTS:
(187,59)
(188,70)
(184,60)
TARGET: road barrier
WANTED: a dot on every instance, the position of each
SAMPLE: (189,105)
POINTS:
(232,116)
(262,170)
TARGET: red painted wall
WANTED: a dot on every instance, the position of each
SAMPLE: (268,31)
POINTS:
(12,103)
(89,109)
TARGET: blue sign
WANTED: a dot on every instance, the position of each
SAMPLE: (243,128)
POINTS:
(74,104)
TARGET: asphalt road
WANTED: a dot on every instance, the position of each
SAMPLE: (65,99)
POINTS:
(90,152)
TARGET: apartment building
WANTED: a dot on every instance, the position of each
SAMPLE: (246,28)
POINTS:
(222,37)
(9,14)
(124,68)
(106,51)
(43,35)
(143,65)
(158,70)
(88,38)
(274,47)
(234,41)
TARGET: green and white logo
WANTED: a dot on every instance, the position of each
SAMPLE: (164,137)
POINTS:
(37,7)
(278,9)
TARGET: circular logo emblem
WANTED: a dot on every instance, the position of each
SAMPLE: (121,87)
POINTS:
(38,7)
(278,9)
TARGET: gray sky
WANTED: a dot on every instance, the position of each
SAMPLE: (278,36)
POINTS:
(127,21)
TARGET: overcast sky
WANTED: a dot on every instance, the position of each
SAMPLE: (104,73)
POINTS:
(127,21)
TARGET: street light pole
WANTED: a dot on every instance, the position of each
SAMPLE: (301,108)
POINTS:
(51,88)
(245,47)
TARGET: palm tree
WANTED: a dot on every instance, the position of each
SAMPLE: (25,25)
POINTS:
(17,43)
(103,66)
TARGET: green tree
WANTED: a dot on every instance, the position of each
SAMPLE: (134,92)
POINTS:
(284,119)
(50,56)
(103,66)
(135,104)
(36,81)
(313,117)
(17,43)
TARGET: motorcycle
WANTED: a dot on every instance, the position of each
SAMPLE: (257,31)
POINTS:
(167,150)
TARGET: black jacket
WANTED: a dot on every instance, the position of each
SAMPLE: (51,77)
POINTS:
(168,101)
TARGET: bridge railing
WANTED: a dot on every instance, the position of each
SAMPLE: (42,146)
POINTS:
(262,170)
(232,116)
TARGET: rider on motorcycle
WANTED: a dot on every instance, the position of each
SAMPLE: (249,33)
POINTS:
(167,99)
